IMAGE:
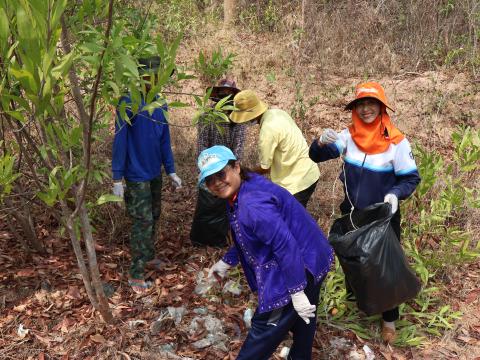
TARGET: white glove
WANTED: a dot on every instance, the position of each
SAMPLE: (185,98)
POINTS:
(118,189)
(303,307)
(328,136)
(177,182)
(220,268)
(392,200)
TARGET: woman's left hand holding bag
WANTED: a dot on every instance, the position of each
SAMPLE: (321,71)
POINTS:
(392,200)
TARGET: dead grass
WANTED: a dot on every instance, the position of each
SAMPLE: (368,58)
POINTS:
(428,105)
(366,37)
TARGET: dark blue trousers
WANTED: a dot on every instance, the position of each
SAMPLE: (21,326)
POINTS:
(270,329)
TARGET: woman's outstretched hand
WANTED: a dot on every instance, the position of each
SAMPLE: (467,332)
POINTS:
(302,306)
(328,136)
(219,269)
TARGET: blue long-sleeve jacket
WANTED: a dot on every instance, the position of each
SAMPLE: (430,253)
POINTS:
(369,178)
(140,149)
(276,241)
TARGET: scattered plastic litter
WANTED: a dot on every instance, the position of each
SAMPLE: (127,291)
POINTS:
(201,311)
(170,347)
(355,355)
(232,287)
(164,322)
(204,284)
(22,332)
(176,313)
(368,353)
(284,352)
(134,323)
(215,334)
(247,317)
(340,343)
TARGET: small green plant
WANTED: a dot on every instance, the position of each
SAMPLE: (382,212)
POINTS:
(300,108)
(212,68)
(216,115)
(271,77)
(271,16)
(447,7)
(8,174)
(454,55)
(182,17)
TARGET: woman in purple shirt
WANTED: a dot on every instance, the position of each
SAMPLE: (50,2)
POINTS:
(284,254)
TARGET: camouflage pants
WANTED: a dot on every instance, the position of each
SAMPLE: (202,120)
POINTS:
(143,202)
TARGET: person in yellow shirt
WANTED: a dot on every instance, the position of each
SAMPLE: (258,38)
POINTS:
(283,151)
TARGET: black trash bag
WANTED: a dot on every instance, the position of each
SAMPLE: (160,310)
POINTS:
(210,222)
(373,260)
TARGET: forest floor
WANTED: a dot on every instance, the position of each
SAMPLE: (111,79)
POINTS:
(45,296)
(46,313)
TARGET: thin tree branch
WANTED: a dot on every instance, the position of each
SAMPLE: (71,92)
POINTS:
(86,119)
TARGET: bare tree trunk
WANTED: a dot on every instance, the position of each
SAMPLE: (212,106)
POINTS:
(77,249)
(93,265)
(19,238)
(91,279)
(229,12)
(26,223)
(24,219)
(307,29)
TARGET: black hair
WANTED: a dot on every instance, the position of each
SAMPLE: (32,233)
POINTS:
(244,171)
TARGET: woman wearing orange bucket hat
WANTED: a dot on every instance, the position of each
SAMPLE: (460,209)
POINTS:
(378,164)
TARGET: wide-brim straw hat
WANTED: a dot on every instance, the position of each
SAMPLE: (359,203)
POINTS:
(247,107)
(369,90)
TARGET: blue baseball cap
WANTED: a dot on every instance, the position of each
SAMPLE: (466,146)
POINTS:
(213,160)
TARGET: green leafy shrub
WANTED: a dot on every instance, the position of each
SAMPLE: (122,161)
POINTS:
(301,105)
(261,18)
(212,67)
(443,202)
(179,17)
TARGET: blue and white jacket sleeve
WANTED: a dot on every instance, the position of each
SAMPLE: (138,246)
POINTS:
(119,150)
(327,152)
(406,172)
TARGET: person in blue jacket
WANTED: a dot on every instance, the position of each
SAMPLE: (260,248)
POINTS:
(378,164)
(140,147)
(283,253)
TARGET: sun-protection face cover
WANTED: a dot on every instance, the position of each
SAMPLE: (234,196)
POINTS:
(212,160)
(369,90)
